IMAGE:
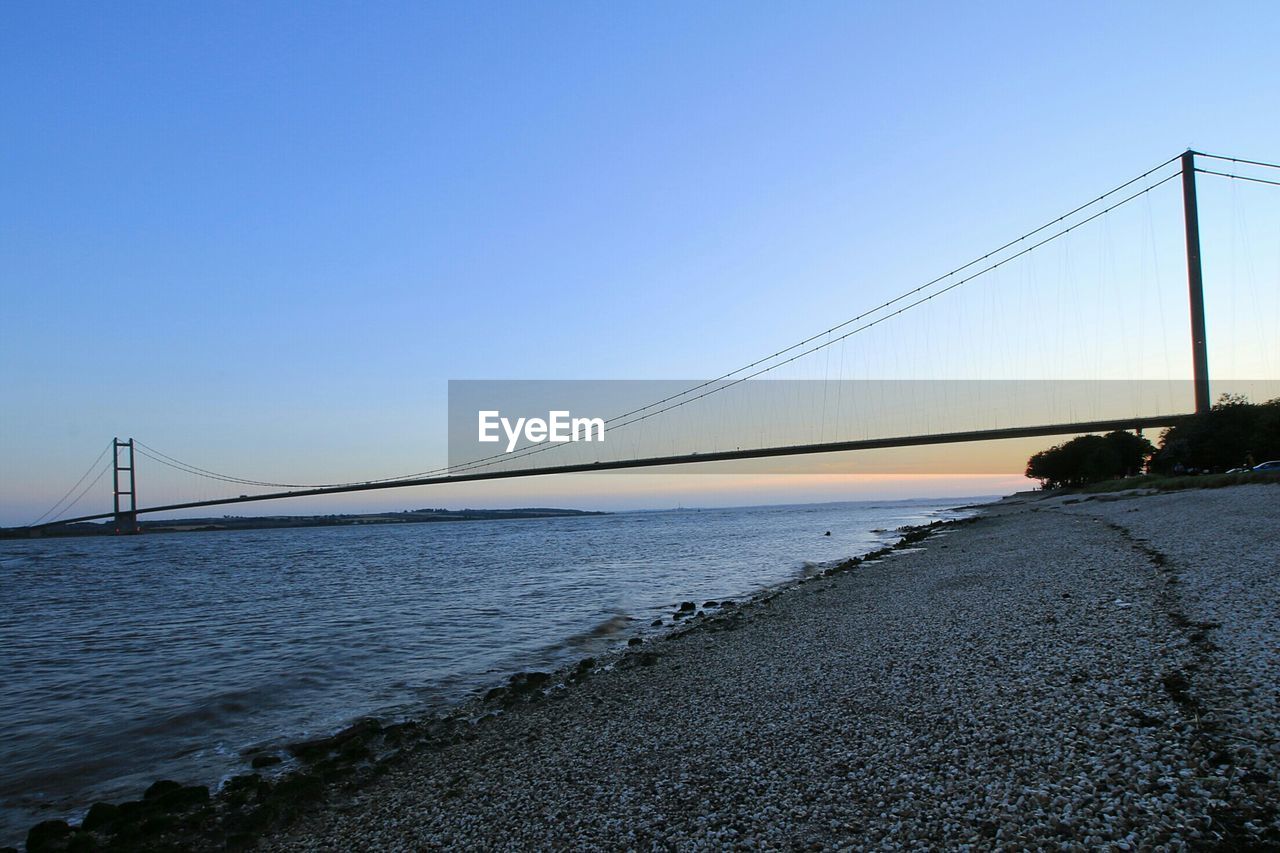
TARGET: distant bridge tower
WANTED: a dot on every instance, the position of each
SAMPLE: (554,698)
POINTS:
(126,519)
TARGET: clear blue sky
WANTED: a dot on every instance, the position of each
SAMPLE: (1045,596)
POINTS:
(262,236)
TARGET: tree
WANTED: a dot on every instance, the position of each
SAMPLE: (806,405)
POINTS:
(1232,434)
(1133,450)
(1266,432)
(1090,459)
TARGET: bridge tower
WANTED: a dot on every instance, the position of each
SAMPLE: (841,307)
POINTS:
(1199,350)
(126,519)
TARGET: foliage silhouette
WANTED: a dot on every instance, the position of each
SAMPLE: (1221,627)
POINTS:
(1233,434)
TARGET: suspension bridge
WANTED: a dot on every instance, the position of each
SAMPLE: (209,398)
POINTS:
(121,456)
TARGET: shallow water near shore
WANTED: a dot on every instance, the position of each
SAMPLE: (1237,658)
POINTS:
(130,659)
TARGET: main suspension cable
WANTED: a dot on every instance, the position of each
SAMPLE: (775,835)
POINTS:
(49,512)
(1238,160)
(487,460)
(1238,177)
(529,451)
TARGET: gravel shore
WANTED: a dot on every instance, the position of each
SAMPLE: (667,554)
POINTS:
(1066,673)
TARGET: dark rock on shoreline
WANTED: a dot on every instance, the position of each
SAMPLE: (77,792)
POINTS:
(167,811)
(172,816)
(348,740)
(581,670)
(169,796)
(100,814)
(47,835)
(398,732)
(160,789)
(526,682)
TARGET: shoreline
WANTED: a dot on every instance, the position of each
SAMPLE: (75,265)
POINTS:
(454,780)
(278,762)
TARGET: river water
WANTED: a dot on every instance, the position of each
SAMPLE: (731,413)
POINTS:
(128,659)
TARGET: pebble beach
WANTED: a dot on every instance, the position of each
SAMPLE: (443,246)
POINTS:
(1067,673)
(1064,673)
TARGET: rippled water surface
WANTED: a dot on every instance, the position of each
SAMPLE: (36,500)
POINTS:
(129,659)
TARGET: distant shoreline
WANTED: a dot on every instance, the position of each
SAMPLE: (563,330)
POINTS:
(271,522)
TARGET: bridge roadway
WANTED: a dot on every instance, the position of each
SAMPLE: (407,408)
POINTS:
(657,461)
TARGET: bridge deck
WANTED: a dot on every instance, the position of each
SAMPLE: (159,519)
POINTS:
(658,461)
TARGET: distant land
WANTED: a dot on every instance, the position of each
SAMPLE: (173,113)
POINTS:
(237,522)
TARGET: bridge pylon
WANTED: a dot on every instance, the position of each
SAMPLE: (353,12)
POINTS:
(1195,283)
(126,519)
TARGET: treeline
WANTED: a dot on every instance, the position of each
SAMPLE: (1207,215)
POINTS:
(1233,434)
(1090,459)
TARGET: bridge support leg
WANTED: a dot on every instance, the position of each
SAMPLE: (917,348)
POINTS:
(126,518)
(1195,284)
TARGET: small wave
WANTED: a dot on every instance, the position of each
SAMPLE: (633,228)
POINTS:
(211,710)
(615,624)
(809,569)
